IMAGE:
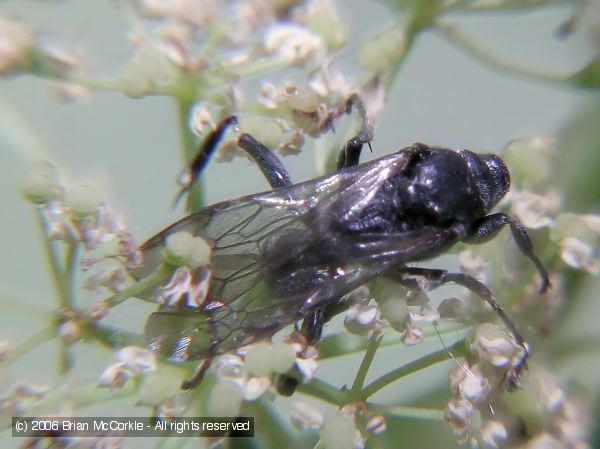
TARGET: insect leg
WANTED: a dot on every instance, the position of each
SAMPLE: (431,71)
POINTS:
(196,379)
(439,277)
(269,164)
(311,330)
(312,326)
(198,376)
(267,161)
(350,154)
(487,227)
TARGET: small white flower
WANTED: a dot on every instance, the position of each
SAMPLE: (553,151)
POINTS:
(62,59)
(71,92)
(460,413)
(592,222)
(41,183)
(535,210)
(412,336)
(418,297)
(69,331)
(327,82)
(295,44)
(491,431)
(201,119)
(171,407)
(360,319)
(23,390)
(5,348)
(292,145)
(269,96)
(182,248)
(471,263)
(377,424)
(154,9)
(129,249)
(99,310)
(109,443)
(425,314)
(196,13)
(255,387)
(550,393)
(305,417)
(114,278)
(544,441)
(473,386)
(307,363)
(451,309)
(231,366)
(115,376)
(178,286)
(578,254)
(494,345)
(303,100)
(175,44)
(16,43)
(139,360)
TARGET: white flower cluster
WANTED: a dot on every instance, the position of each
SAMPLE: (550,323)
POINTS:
(338,430)
(474,410)
(78,214)
(218,44)
(402,310)
(567,420)
(21,49)
(247,376)
(133,362)
(578,235)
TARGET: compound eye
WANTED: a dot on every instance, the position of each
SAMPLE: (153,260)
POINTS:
(490,175)
(500,177)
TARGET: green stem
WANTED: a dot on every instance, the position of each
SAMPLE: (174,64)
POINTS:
(262,65)
(496,7)
(157,277)
(341,344)
(492,59)
(66,359)
(433,414)
(71,265)
(422,15)
(32,342)
(53,258)
(458,349)
(361,375)
(323,391)
(109,336)
(16,306)
(80,397)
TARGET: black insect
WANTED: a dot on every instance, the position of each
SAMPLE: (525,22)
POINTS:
(293,254)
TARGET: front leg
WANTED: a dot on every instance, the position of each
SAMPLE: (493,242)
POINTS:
(349,156)
(435,278)
(488,227)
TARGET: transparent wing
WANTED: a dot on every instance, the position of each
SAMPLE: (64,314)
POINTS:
(277,255)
